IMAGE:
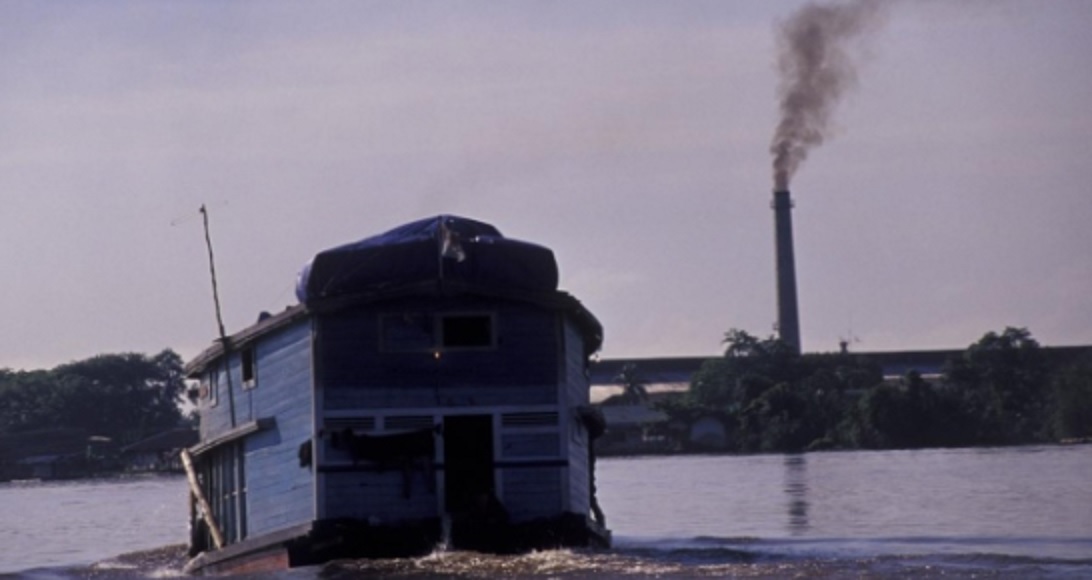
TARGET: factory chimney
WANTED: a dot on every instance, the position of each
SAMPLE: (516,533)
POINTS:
(788,318)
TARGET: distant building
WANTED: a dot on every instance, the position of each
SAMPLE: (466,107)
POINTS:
(51,454)
(708,433)
(160,452)
(635,428)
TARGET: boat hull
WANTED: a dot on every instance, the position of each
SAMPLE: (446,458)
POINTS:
(326,540)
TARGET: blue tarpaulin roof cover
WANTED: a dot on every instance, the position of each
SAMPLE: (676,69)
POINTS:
(443,253)
(441,248)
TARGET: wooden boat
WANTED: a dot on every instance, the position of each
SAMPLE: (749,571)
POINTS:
(430,387)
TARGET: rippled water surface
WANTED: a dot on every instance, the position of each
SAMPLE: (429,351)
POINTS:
(1014,512)
(1027,501)
(79,522)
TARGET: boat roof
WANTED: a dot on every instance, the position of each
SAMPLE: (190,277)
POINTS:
(439,256)
(443,248)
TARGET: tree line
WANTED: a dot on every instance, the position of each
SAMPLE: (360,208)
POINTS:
(123,397)
(1004,389)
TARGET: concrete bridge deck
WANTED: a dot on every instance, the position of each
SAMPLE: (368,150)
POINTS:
(675,370)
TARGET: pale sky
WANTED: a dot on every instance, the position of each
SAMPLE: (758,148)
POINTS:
(631,137)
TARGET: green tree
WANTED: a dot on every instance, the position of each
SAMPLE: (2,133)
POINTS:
(634,389)
(127,395)
(30,400)
(748,368)
(774,421)
(121,396)
(907,415)
(1003,381)
(775,399)
(1000,390)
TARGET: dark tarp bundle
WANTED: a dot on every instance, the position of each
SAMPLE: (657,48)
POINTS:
(404,451)
(442,248)
(388,448)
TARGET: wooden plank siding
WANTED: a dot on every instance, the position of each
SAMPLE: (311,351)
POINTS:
(529,381)
(215,416)
(531,492)
(378,496)
(368,491)
(577,386)
(380,397)
(280,491)
(577,394)
(359,374)
(530,445)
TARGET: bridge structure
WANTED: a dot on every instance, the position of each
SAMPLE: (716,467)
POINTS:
(679,370)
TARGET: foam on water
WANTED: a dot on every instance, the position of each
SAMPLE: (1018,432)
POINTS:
(644,557)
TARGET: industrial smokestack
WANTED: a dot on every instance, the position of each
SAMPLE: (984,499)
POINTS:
(817,67)
(788,317)
(816,63)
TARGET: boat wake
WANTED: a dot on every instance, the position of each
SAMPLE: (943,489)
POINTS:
(731,557)
(703,556)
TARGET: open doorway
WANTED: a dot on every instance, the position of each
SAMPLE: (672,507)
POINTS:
(468,460)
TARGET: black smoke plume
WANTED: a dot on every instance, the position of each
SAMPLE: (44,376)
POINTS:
(816,68)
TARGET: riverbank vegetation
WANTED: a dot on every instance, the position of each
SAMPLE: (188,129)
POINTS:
(1004,389)
(78,414)
(125,397)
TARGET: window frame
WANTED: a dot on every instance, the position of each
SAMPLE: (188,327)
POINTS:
(212,381)
(248,367)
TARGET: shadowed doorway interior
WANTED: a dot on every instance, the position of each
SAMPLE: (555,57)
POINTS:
(468,460)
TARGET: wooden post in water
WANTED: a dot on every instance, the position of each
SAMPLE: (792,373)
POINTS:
(195,490)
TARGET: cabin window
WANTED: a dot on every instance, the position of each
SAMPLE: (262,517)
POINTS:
(466,331)
(212,387)
(223,479)
(249,363)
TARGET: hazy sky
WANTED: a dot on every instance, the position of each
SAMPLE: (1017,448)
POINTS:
(632,138)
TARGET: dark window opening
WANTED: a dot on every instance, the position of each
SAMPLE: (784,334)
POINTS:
(467,331)
(213,384)
(249,364)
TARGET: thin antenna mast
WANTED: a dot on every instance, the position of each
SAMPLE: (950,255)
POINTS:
(219,317)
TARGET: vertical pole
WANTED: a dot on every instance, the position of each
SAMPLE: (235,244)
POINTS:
(219,317)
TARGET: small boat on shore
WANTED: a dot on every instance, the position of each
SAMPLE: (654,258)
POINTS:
(430,388)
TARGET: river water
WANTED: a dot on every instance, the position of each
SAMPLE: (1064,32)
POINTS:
(1000,512)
